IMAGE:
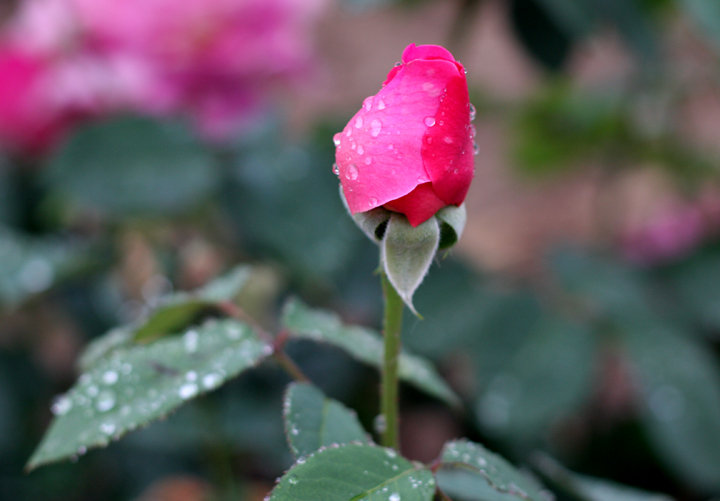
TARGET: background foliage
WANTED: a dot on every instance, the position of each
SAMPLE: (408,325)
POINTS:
(600,353)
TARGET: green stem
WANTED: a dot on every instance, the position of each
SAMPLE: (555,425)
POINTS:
(392,326)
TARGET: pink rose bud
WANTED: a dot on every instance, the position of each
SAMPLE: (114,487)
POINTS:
(410,147)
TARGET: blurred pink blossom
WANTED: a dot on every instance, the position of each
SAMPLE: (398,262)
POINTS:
(669,236)
(214,60)
(28,119)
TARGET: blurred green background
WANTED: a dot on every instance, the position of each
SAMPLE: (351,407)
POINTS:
(579,316)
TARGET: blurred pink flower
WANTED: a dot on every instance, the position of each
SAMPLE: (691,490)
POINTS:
(214,60)
(669,236)
(28,120)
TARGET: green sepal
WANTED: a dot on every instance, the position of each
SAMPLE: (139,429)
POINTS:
(452,223)
(406,253)
(372,222)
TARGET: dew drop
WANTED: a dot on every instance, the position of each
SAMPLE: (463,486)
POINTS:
(110,377)
(380,423)
(105,401)
(472,110)
(360,149)
(368,161)
(394,497)
(335,169)
(373,202)
(429,121)
(61,405)
(375,127)
(190,340)
(336,139)
(381,104)
(367,103)
(351,173)
(191,376)
(188,390)
(448,140)
(292,480)
(348,133)
(476,148)
(211,380)
(358,122)
(108,428)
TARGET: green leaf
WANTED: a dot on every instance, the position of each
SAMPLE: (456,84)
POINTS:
(31,265)
(137,385)
(362,344)
(357,473)
(469,472)
(697,283)
(679,384)
(452,223)
(585,488)
(178,310)
(313,421)
(547,378)
(706,14)
(132,165)
(407,252)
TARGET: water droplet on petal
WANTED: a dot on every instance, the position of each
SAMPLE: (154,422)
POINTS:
(335,169)
(476,148)
(381,104)
(368,161)
(367,103)
(360,149)
(375,127)
(473,111)
(429,121)
(448,140)
(336,139)
(351,173)
(358,122)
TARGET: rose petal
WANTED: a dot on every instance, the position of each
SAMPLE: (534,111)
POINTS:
(413,51)
(379,155)
(419,205)
(447,149)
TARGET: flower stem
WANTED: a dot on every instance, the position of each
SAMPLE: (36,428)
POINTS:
(392,326)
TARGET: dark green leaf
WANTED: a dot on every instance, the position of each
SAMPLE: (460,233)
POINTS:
(137,385)
(313,421)
(30,265)
(548,377)
(178,310)
(355,472)
(706,14)
(679,383)
(697,283)
(469,472)
(362,344)
(585,488)
(132,165)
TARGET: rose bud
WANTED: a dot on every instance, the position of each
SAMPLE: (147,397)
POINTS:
(410,147)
